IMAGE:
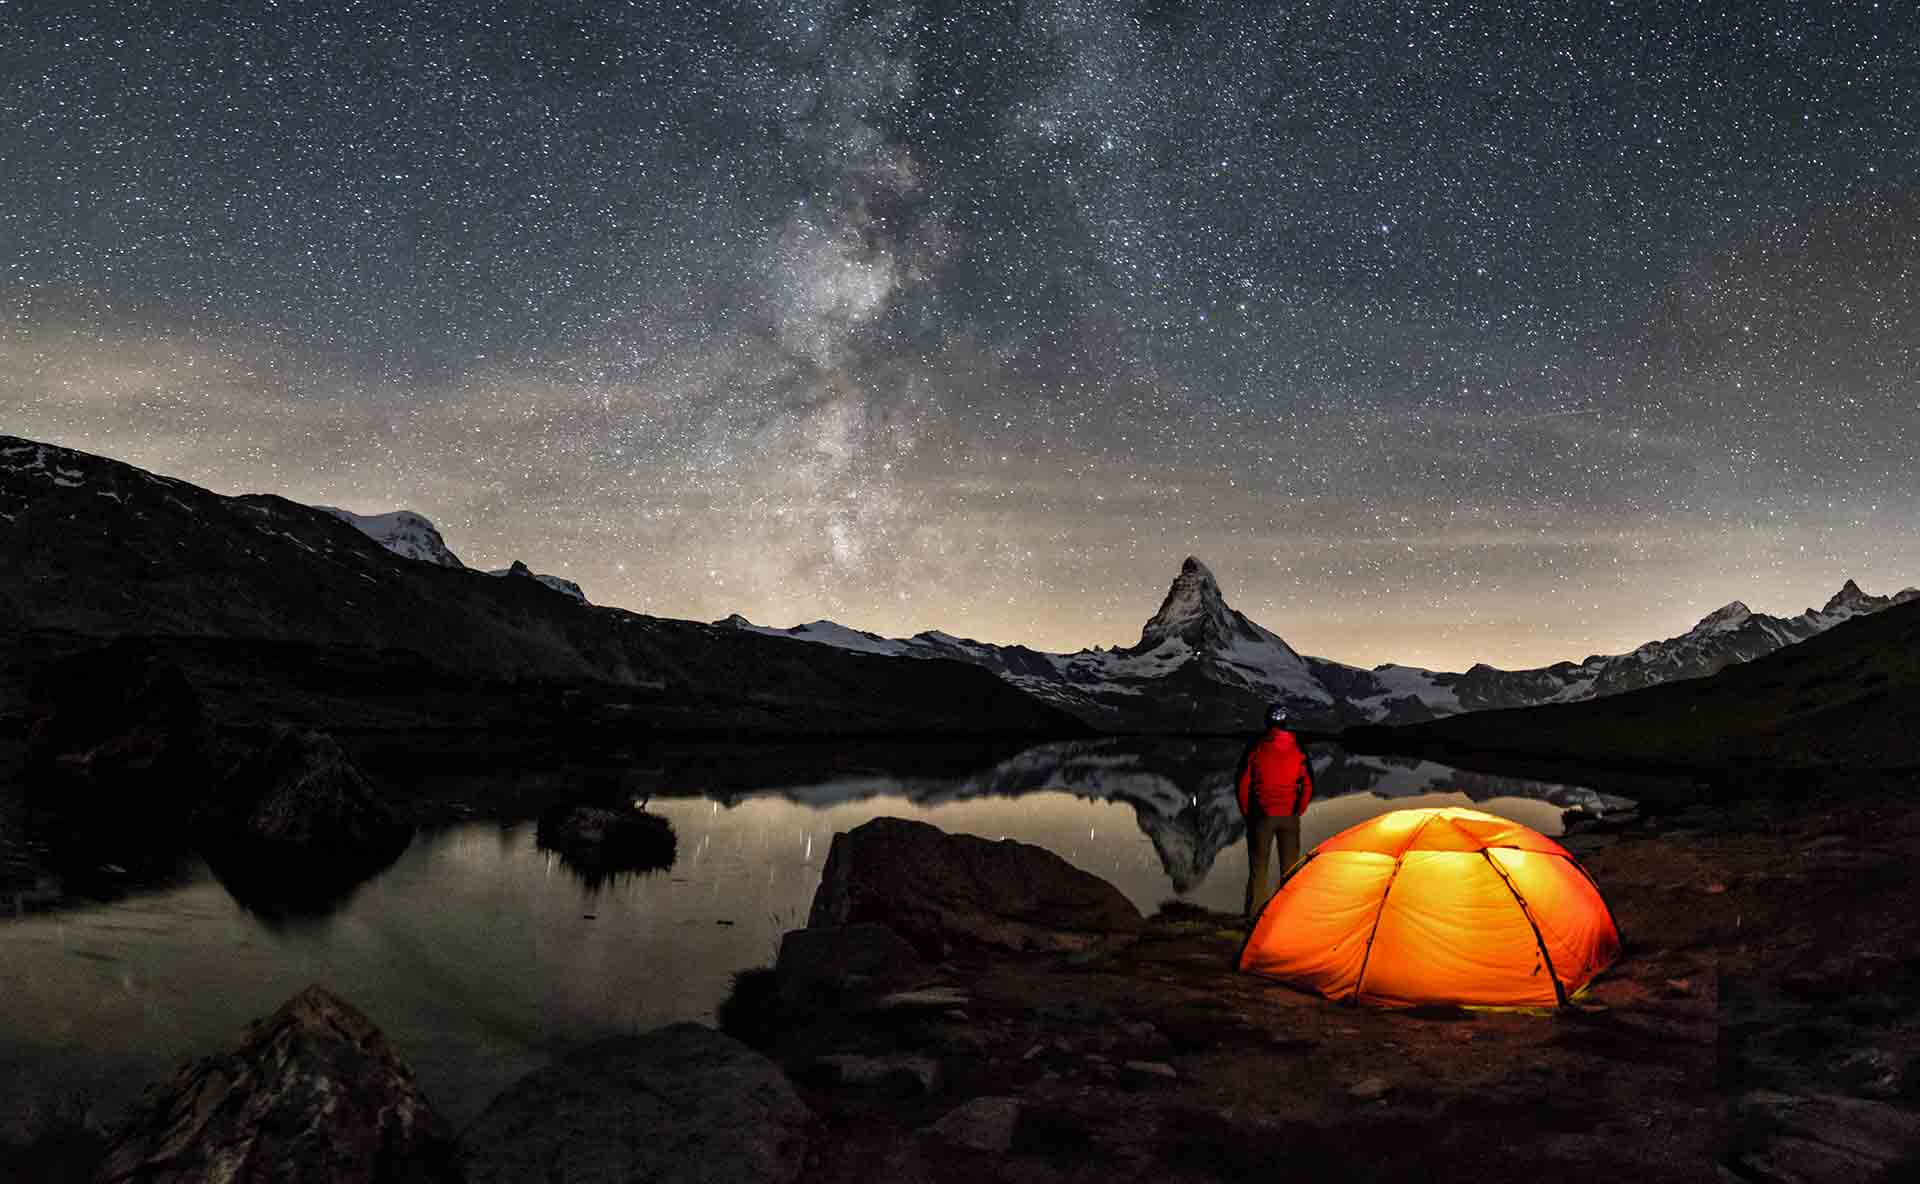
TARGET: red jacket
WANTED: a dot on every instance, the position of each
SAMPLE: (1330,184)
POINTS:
(1275,775)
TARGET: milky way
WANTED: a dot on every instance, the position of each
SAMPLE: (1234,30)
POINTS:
(1441,332)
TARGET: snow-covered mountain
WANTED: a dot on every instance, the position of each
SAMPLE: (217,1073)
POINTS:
(413,536)
(403,532)
(1201,665)
(1198,665)
(1729,634)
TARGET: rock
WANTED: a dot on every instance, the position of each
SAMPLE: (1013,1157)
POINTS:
(823,964)
(1154,1069)
(314,1092)
(1845,975)
(911,1073)
(124,726)
(299,794)
(1819,1137)
(1808,1161)
(932,997)
(935,889)
(1367,1089)
(1871,1072)
(679,1105)
(598,842)
(984,1124)
(294,827)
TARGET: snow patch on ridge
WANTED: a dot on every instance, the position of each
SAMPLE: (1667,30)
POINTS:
(562,586)
(403,532)
(414,536)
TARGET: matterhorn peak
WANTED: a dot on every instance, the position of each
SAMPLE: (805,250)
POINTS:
(1194,611)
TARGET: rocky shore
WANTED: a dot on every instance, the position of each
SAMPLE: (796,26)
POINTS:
(995,1013)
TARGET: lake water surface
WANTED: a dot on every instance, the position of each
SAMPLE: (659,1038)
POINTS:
(481,956)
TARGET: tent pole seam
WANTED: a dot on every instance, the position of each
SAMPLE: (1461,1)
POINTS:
(1559,988)
(1359,980)
(1611,919)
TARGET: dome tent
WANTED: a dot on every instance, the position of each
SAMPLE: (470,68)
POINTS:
(1435,906)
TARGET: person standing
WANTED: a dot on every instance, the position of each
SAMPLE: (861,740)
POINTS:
(1275,783)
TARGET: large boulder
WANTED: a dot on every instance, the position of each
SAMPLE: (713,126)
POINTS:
(295,826)
(120,728)
(1819,1137)
(937,889)
(313,1093)
(299,792)
(679,1105)
(822,965)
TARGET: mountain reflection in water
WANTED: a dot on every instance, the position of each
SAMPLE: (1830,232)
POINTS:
(1183,796)
(481,956)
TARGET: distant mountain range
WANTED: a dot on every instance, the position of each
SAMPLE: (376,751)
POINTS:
(92,548)
(1200,665)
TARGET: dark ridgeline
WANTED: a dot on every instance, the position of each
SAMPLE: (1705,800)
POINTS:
(279,611)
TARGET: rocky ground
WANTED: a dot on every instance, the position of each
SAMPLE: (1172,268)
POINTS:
(1761,1026)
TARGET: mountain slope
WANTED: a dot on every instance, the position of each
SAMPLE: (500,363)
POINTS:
(1847,698)
(413,536)
(264,588)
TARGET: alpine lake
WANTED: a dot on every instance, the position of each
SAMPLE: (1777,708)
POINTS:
(482,955)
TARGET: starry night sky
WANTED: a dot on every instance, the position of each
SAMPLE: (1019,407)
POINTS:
(1442,332)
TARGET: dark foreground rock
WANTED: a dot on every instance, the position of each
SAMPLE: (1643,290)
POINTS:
(294,828)
(937,889)
(297,800)
(313,1093)
(299,795)
(821,965)
(680,1105)
(600,842)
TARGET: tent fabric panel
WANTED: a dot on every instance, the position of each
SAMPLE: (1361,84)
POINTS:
(1453,932)
(1313,933)
(1444,832)
(1438,828)
(1385,834)
(1572,919)
(1491,831)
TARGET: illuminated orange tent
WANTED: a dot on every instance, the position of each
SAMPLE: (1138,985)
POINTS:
(1435,906)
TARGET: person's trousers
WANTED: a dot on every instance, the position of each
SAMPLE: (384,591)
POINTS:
(1264,833)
